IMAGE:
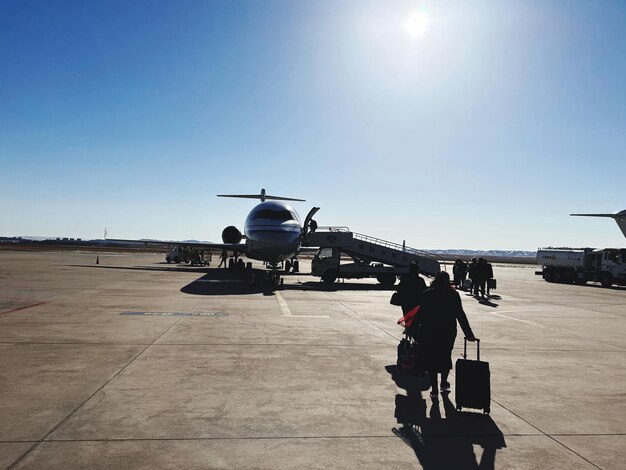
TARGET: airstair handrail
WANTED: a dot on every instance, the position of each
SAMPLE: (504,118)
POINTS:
(392,245)
(334,228)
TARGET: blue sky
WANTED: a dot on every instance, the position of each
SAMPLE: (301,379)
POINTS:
(485,131)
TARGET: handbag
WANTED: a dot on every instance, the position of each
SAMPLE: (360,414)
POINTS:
(408,355)
(396,299)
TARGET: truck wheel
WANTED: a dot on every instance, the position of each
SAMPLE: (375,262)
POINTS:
(330,276)
(606,279)
(558,276)
(548,275)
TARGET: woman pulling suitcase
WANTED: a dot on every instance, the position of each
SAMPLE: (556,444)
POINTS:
(439,312)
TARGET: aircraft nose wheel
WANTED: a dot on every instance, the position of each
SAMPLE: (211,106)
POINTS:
(272,282)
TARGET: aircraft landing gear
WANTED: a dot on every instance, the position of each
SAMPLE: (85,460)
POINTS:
(272,281)
(292,265)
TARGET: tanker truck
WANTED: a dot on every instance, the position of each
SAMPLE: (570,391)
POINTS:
(580,265)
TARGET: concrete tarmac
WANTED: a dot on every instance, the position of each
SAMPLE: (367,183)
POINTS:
(134,363)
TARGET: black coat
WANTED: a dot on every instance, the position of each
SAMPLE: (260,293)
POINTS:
(440,310)
(410,291)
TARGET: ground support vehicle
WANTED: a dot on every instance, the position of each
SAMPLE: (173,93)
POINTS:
(184,254)
(580,265)
(371,257)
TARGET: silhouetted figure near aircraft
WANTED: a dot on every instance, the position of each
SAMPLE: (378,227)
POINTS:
(459,270)
(489,273)
(410,288)
(440,310)
(472,271)
(312,226)
(482,274)
(224,259)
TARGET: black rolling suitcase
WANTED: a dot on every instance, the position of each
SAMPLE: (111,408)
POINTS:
(473,388)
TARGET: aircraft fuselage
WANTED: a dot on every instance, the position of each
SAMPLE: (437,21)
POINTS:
(273,232)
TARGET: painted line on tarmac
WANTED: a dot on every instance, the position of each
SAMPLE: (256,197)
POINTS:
(286,311)
(284,308)
(24,307)
(517,319)
(176,314)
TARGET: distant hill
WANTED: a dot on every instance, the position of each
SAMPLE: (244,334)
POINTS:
(486,253)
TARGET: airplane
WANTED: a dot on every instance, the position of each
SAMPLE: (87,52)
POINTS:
(273,233)
(619,217)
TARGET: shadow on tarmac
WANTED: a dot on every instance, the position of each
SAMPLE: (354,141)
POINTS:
(487,300)
(218,281)
(442,442)
(234,282)
(228,282)
(338,286)
(181,269)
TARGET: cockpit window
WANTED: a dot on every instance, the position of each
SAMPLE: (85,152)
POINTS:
(280,215)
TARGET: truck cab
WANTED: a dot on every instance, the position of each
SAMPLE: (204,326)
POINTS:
(325,264)
(611,264)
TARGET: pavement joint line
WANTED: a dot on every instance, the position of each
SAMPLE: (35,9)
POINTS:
(267,438)
(551,436)
(24,307)
(373,436)
(75,410)
(368,321)
(90,343)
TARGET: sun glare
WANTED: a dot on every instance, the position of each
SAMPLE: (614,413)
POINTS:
(417,24)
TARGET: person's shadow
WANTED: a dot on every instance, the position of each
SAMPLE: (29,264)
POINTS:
(443,442)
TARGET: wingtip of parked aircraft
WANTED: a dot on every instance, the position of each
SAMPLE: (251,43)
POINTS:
(616,214)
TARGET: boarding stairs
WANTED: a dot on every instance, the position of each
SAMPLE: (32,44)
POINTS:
(365,248)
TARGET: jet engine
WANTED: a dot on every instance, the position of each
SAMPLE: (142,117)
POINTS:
(231,235)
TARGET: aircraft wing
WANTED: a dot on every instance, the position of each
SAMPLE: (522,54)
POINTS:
(597,215)
(236,247)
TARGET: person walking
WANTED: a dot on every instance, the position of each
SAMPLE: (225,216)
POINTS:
(463,272)
(489,272)
(482,272)
(410,288)
(439,313)
(472,271)
(224,258)
(456,272)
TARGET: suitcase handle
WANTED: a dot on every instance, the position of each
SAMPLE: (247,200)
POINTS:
(477,348)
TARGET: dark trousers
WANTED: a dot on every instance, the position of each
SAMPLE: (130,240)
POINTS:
(479,284)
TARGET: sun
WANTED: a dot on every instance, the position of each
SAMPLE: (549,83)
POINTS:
(417,24)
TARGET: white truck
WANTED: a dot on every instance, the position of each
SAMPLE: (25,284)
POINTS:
(327,264)
(580,265)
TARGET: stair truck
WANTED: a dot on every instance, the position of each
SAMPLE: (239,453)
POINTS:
(580,265)
(371,257)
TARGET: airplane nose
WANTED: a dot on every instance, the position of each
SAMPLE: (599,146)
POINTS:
(274,244)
